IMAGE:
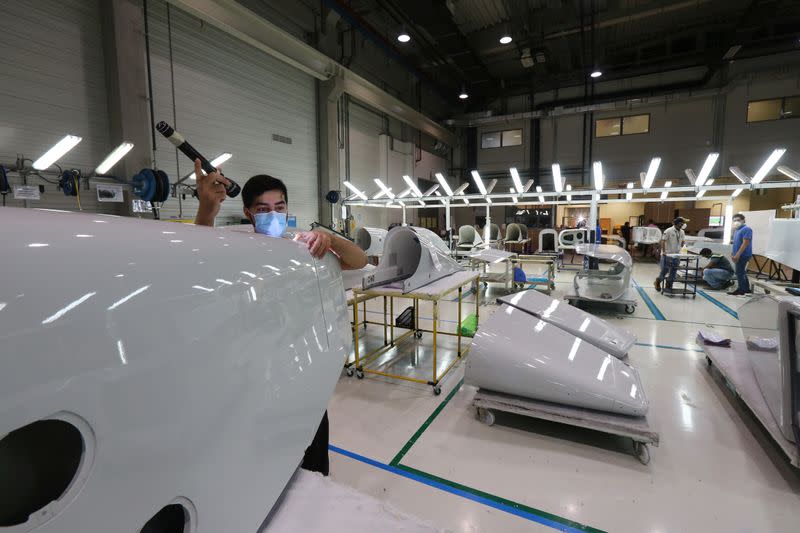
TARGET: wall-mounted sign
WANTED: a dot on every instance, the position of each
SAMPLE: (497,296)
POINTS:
(109,193)
(26,192)
(140,206)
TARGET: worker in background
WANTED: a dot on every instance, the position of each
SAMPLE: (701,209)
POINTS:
(671,243)
(625,231)
(718,273)
(742,252)
(266,203)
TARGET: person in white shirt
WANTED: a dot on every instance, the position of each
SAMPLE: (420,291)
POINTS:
(671,243)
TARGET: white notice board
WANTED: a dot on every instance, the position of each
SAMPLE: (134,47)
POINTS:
(759,222)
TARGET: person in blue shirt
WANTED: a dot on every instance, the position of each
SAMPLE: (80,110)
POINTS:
(742,252)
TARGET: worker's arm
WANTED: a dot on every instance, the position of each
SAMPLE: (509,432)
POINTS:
(742,248)
(319,242)
(210,193)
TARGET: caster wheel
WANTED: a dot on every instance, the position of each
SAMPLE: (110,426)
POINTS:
(630,309)
(486,416)
(642,452)
(360,374)
(417,334)
(437,390)
(350,372)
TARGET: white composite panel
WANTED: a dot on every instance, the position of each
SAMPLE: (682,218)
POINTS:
(231,97)
(52,83)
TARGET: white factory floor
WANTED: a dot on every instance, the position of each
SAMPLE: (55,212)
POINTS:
(715,469)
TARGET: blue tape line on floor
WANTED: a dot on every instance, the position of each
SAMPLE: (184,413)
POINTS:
(464,295)
(650,303)
(719,304)
(464,494)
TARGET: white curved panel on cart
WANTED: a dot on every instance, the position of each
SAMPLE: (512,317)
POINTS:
(410,259)
(513,233)
(199,361)
(606,252)
(765,316)
(593,330)
(468,237)
(604,285)
(568,239)
(371,240)
(516,353)
(616,238)
(431,236)
(542,237)
(645,235)
(352,278)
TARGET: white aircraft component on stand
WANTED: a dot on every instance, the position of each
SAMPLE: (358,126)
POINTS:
(149,366)
(371,240)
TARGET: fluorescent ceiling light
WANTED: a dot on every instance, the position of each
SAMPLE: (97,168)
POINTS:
(403,37)
(557,183)
(412,185)
(463,95)
(513,197)
(596,74)
(217,161)
(505,39)
(466,201)
(732,51)
(488,200)
(478,182)
(786,171)
(741,176)
(405,192)
(569,196)
(401,203)
(444,184)
(113,158)
(651,172)
(491,186)
(56,152)
(432,190)
(737,192)
(706,170)
(461,189)
(702,192)
(528,185)
(384,189)
(768,164)
(629,195)
(539,189)
(665,193)
(690,175)
(597,172)
(515,177)
(355,190)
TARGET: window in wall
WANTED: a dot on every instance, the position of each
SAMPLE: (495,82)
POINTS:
(629,125)
(634,124)
(512,138)
(498,139)
(773,109)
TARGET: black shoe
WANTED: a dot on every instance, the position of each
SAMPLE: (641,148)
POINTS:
(737,292)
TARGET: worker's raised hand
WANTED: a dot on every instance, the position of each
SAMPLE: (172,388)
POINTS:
(210,193)
(318,242)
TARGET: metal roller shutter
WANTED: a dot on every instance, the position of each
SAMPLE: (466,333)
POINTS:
(231,97)
(365,128)
(52,83)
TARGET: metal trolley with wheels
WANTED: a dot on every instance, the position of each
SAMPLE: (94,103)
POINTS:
(611,285)
(434,292)
(635,428)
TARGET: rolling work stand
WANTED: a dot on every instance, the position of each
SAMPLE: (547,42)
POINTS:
(354,300)
(686,275)
(433,292)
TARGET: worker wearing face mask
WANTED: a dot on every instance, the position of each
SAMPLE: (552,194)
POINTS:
(266,203)
(742,252)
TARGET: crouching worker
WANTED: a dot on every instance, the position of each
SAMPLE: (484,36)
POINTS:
(718,273)
(266,203)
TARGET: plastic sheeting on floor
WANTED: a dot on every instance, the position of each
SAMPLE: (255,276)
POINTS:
(313,503)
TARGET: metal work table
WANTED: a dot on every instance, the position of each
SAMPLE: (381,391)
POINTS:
(480,262)
(549,279)
(353,300)
(433,292)
(688,265)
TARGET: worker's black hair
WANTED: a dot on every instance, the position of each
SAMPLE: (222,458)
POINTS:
(258,185)
(706,252)
(739,215)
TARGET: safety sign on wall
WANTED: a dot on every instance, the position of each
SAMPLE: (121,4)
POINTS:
(26,192)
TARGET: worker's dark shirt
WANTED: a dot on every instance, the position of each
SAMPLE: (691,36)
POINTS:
(720,261)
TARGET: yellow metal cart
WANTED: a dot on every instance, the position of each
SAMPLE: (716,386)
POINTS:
(433,292)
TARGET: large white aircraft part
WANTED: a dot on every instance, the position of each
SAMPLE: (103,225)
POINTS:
(433,238)
(589,328)
(568,239)
(547,240)
(410,261)
(371,240)
(765,321)
(148,364)
(645,235)
(611,280)
(517,353)
(516,233)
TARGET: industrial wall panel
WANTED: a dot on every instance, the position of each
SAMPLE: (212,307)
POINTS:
(52,83)
(365,128)
(231,97)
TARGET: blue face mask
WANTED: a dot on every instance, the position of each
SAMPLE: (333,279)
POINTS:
(272,223)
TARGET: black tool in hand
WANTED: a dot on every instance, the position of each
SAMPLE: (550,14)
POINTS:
(232,188)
